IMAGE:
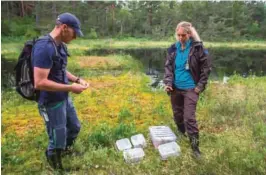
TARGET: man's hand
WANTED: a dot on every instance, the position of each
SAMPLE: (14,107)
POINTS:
(78,88)
(84,83)
(168,88)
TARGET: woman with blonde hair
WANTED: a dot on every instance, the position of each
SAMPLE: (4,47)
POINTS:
(187,69)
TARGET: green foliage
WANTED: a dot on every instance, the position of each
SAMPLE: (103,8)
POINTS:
(20,27)
(259,131)
(5,30)
(11,143)
(32,33)
(254,28)
(124,114)
(104,135)
(92,34)
(124,130)
(218,20)
(101,136)
(160,110)
(17,29)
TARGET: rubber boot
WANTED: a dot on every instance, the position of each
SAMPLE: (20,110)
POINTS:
(69,148)
(194,141)
(59,159)
(181,129)
(52,159)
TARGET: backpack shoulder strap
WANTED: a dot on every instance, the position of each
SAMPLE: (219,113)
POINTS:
(65,48)
(56,52)
(47,37)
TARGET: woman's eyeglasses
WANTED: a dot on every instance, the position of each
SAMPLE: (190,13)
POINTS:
(183,35)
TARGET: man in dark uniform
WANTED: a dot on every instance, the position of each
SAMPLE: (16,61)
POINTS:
(49,59)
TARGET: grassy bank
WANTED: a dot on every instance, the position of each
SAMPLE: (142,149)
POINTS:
(120,103)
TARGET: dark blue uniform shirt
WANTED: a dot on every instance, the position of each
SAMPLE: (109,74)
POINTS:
(44,56)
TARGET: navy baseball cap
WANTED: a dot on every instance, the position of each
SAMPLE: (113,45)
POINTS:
(72,21)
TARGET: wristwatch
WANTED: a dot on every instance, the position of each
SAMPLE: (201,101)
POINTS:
(77,80)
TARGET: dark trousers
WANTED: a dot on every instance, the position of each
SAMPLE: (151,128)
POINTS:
(62,124)
(184,104)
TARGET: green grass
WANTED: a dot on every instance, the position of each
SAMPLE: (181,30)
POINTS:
(231,119)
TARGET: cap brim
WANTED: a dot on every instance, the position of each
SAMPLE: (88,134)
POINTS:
(79,32)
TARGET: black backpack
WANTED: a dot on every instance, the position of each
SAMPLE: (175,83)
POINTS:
(24,71)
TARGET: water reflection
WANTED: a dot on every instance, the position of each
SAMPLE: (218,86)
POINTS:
(225,61)
(7,73)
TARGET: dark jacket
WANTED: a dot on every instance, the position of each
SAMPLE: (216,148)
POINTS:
(199,65)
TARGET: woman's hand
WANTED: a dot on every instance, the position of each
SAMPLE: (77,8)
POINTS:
(168,88)
(197,90)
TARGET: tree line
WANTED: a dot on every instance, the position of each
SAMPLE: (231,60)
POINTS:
(214,21)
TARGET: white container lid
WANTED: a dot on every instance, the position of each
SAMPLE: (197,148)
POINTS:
(161,134)
(133,155)
(123,144)
(169,149)
(138,141)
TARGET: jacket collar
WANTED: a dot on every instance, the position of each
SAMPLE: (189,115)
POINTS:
(173,48)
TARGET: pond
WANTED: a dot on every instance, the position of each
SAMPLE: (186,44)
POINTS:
(7,73)
(225,62)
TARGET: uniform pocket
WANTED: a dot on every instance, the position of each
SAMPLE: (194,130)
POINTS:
(59,137)
(43,113)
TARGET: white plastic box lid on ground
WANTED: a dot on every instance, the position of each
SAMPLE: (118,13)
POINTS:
(123,144)
(161,134)
(138,141)
(169,149)
(133,155)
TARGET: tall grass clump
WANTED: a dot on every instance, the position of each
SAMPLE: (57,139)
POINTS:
(124,114)
(104,135)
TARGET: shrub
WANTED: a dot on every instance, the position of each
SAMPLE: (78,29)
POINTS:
(5,28)
(92,34)
(31,33)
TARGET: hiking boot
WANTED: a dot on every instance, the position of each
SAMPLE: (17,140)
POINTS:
(194,141)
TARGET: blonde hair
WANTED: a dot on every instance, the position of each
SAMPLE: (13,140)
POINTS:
(189,29)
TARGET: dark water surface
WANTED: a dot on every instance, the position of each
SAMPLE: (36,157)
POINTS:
(225,62)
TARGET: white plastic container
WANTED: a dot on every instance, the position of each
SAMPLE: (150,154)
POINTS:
(133,155)
(161,134)
(123,144)
(169,150)
(138,141)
